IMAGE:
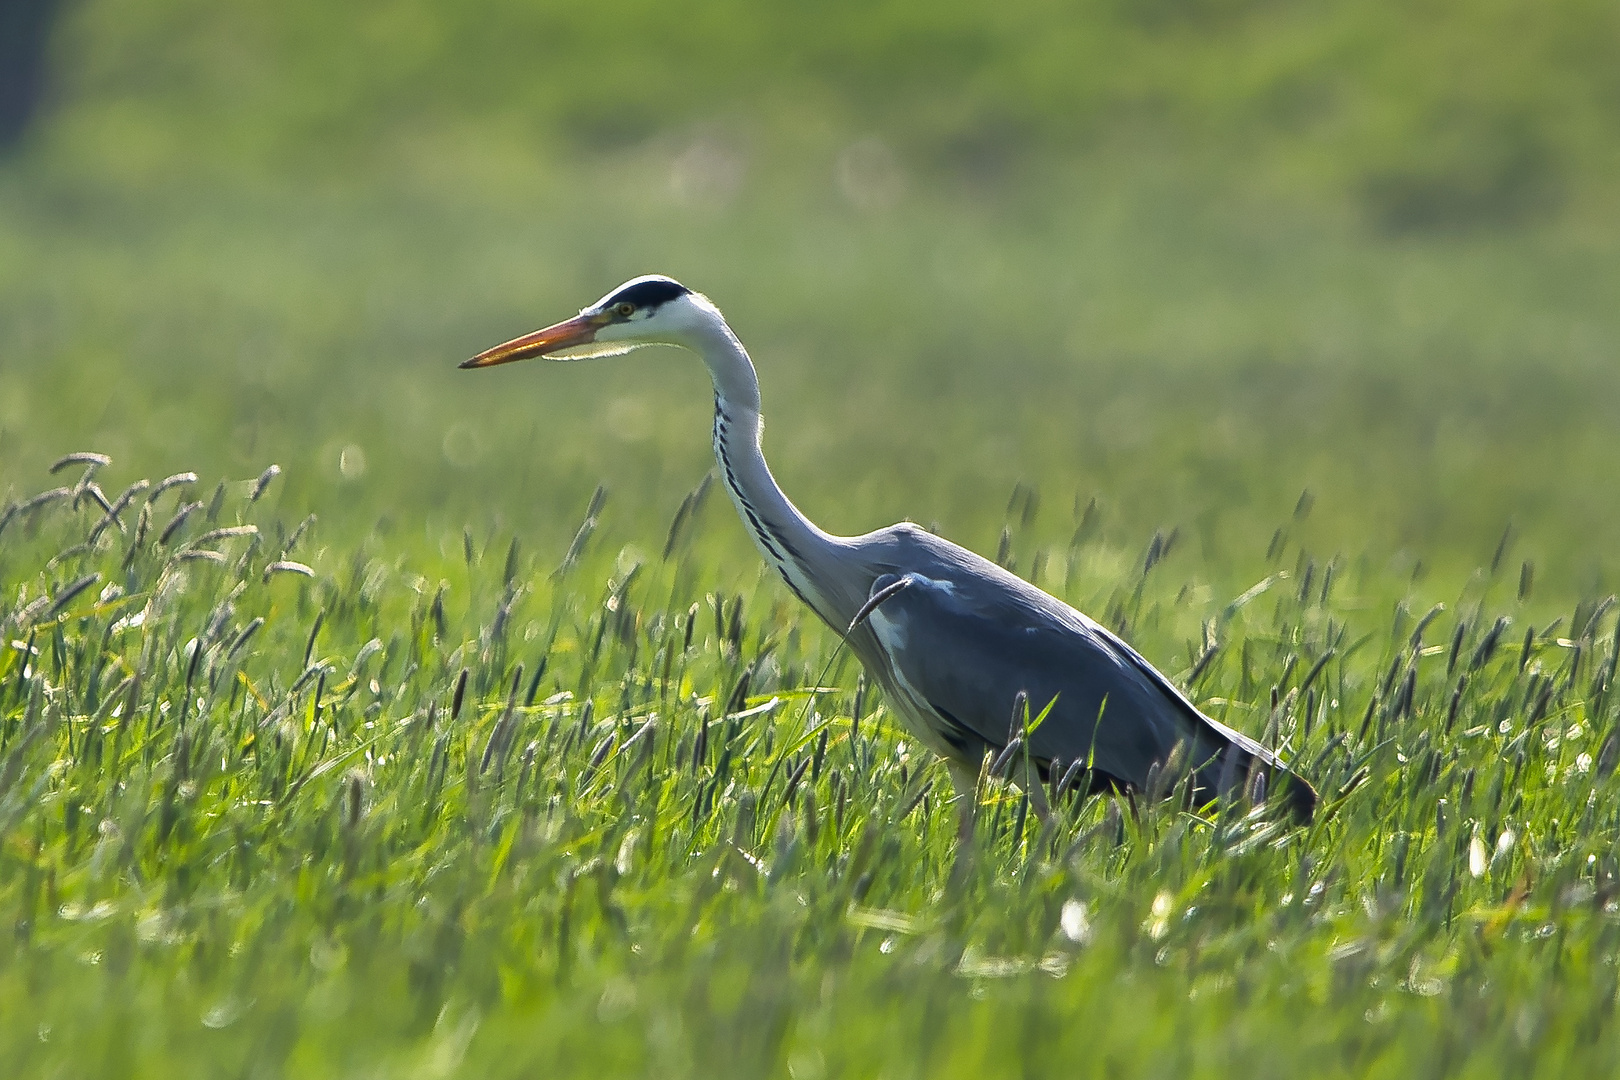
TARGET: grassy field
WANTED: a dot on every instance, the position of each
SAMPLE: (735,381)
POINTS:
(551,816)
(411,728)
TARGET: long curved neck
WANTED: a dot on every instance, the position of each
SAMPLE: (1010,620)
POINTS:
(790,542)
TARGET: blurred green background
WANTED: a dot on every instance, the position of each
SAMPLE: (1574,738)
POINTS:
(1185,257)
(1170,263)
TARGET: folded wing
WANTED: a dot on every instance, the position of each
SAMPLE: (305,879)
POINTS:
(967,642)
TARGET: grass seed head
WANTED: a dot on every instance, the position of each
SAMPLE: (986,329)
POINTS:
(260,485)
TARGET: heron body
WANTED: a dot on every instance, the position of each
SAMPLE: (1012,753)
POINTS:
(953,639)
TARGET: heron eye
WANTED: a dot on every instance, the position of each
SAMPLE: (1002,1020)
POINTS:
(625,309)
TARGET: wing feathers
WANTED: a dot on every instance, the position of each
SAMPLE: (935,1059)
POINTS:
(966,642)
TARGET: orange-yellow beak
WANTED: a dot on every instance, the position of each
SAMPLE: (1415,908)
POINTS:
(580,330)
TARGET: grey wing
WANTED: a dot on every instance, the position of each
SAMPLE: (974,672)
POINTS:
(1220,730)
(966,648)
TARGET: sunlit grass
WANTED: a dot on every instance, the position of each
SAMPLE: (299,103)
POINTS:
(271,807)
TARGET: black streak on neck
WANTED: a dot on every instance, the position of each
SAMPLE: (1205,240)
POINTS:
(770,538)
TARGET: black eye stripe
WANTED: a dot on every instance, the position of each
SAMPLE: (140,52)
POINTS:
(648,292)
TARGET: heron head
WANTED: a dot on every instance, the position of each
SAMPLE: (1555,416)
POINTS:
(650,310)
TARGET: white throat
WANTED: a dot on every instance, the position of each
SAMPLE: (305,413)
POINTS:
(790,542)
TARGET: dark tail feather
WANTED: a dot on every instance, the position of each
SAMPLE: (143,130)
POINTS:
(1245,767)
(1297,795)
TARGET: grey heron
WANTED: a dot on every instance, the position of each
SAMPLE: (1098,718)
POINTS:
(953,639)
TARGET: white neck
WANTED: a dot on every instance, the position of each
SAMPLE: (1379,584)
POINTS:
(790,542)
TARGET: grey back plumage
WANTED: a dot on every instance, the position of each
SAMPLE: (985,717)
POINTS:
(962,638)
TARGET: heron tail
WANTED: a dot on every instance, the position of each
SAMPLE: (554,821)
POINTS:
(1296,794)
(1244,768)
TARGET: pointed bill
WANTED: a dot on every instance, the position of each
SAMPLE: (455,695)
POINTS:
(568,334)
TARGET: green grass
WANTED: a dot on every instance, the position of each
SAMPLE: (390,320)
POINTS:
(298,864)
(245,847)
